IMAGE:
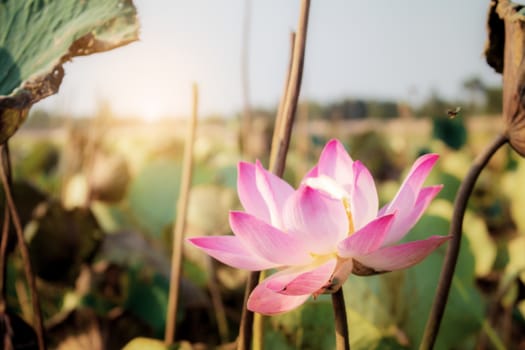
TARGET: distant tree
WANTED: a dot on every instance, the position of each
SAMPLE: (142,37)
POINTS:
(315,110)
(476,89)
(493,99)
(434,106)
(355,109)
(347,109)
(474,84)
(382,109)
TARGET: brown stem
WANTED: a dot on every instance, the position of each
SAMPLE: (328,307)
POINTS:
(258,322)
(5,235)
(24,251)
(283,141)
(4,239)
(294,88)
(456,228)
(279,116)
(342,341)
(180,224)
(3,260)
(216,300)
(246,328)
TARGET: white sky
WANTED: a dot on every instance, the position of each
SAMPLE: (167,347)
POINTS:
(381,48)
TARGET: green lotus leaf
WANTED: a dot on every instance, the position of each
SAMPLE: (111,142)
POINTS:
(38,36)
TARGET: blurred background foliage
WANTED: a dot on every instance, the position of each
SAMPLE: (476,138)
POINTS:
(97,198)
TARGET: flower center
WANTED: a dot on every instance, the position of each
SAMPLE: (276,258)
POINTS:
(336,191)
(319,259)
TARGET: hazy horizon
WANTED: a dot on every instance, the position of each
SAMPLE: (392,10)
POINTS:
(400,51)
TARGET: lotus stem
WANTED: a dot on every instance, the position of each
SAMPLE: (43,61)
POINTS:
(180,224)
(24,251)
(3,260)
(246,328)
(281,144)
(456,228)
(3,243)
(342,340)
(279,116)
(292,92)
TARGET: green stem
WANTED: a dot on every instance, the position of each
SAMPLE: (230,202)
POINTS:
(342,340)
(456,228)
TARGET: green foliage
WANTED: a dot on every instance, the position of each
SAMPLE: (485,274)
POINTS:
(195,273)
(155,190)
(482,245)
(451,131)
(137,289)
(84,325)
(372,149)
(153,194)
(312,327)
(62,240)
(38,163)
(494,99)
(308,327)
(148,297)
(375,299)
(208,208)
(516,194)
(385,312)
(41,158)
(450,186)
(27,197)
(397,303)
(227,176)
(31,56)
(464,313)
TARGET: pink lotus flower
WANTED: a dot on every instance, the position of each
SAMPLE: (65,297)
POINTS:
(323,231)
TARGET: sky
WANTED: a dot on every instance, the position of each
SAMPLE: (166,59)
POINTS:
(401,50)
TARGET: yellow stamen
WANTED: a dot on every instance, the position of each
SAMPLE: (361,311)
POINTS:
(321,258)
(351,228)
